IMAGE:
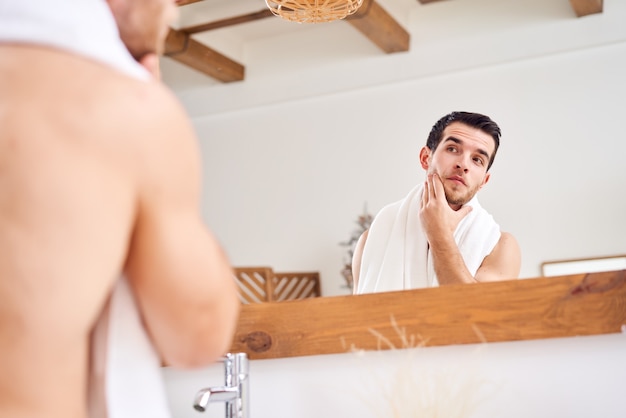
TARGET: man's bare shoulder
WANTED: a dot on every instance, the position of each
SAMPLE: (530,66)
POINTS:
(511,253)
(504,262)
(95,94)
(134,118)
(142,111)
(134,126)
(508,242)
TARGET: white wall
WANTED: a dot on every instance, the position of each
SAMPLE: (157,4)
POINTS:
(577,377)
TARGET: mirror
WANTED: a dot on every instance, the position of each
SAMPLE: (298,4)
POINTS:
(292,153)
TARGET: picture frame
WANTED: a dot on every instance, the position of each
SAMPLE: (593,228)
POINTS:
(583,265)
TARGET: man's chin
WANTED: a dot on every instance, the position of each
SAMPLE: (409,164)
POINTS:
(140,54)
(455,199)
(139,49)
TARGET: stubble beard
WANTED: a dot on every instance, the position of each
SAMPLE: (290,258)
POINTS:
(457,197)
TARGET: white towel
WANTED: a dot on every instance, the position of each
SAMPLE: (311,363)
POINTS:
(396,255)
(125,371)
(84,27)
(126,379)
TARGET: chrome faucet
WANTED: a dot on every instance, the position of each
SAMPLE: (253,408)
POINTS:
(235,391)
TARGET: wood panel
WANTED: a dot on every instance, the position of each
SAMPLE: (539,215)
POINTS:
(254,284)
(231,21)
(371,20)
(261,284)
(379,27)
(586,7)
(181,47)
(457,314)
(296,285)
(184,2)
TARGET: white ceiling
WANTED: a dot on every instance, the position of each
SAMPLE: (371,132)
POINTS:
(289,61)
(329,42)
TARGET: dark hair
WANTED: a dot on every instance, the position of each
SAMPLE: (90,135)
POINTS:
(475,120)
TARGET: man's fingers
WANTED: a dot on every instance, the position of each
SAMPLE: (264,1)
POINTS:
(426,193)
(438,187)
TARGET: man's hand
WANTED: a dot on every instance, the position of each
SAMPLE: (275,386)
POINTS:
(439,220)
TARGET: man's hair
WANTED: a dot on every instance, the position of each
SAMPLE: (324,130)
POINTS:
(475,120)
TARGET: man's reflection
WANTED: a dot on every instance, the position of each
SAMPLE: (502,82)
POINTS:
(439,233)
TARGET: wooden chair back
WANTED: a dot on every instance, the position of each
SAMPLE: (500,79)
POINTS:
(254,284)
(296,285)
(262,284)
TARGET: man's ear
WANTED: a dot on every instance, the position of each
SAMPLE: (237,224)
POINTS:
(485,180)
(425,158)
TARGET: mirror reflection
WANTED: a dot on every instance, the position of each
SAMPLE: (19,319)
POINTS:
(320,128)
(439,233)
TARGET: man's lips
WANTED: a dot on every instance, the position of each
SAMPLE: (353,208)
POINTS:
(457,179)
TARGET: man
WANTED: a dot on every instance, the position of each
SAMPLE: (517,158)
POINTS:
(439,234)
(100,179)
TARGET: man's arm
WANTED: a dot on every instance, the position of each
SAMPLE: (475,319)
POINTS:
(439,222)
(181,277)
(503,263)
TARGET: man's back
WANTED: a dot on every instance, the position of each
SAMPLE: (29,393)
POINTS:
(81,147)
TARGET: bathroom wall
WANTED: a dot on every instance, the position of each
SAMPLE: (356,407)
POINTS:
(576,377)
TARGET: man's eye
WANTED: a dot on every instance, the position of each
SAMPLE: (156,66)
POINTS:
(479,161)
(452,149)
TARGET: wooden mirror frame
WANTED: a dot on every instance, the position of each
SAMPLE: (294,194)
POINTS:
(564,306)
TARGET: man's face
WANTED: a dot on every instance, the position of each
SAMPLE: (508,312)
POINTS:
(461,161)
(143,24)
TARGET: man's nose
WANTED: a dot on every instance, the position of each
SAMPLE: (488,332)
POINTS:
(462,163)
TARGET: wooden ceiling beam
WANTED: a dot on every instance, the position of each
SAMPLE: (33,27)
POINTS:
(231,21)
(182,48)
(380,27)
(371,20)
(586,7)
(183,2)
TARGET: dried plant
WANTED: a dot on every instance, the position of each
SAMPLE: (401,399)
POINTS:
(363,221)
(416,390)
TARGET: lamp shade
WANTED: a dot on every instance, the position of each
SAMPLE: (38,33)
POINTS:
(313,11)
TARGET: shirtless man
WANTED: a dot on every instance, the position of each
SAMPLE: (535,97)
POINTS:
(458,154)
(100,177)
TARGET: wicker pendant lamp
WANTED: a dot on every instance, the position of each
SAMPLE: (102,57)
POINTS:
(313,11)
